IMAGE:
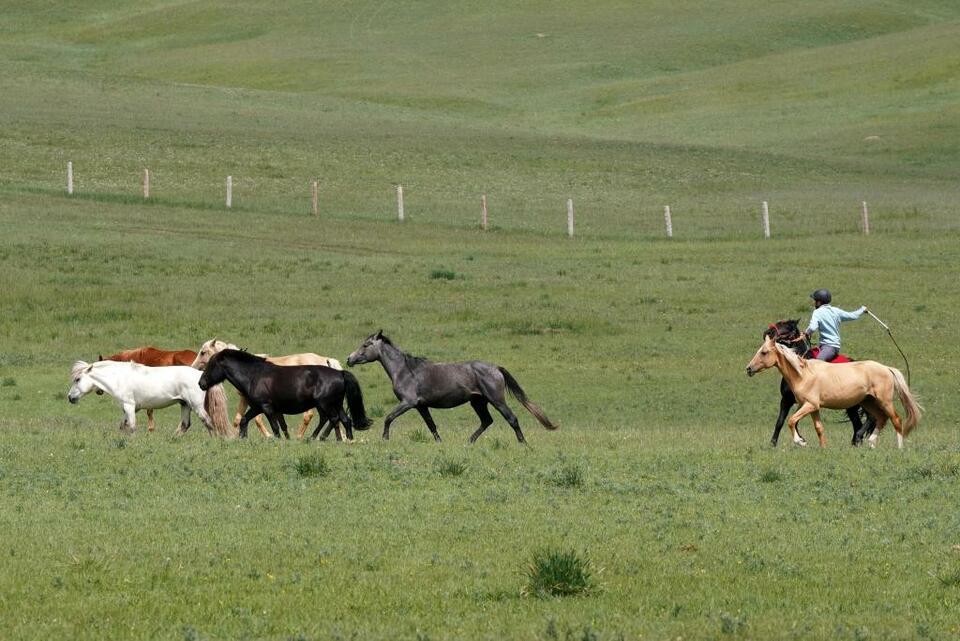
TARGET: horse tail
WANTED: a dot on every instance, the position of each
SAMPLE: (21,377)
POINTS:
(334,364)
(215,403)
(910,404)
(355,402)
(519,394)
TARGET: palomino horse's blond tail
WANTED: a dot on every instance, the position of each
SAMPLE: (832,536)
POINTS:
(909,401)
(215,402)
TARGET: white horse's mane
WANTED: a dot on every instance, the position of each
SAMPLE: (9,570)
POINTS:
(793,359)
(78,368)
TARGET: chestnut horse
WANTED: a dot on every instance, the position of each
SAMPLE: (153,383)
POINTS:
(151,357)
(215,346)
(817,384)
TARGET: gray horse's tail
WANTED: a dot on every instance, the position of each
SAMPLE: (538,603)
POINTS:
(355,402)
(519,394)
(215,403)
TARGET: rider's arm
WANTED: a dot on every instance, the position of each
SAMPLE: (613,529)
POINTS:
(854,315)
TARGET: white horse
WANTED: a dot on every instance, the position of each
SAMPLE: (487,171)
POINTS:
(136,387)
(215,346)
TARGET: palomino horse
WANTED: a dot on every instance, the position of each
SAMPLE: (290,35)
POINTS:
(152,357)
(787,332)
(420,384)
(817,384)
(214,346)
(137,387)
(276,390)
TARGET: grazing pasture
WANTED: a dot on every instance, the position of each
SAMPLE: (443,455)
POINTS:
(660,476)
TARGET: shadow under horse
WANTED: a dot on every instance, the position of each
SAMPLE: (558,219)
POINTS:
(421,384)
(787,333)
(275,390)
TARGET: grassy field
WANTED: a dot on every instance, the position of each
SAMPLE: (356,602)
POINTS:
(660,473)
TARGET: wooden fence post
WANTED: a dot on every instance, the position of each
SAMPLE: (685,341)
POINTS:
(483,212)
(315,197)
(70,177)
(229,192)
(765,218)
(146,183)
(570,217)
(865,219)
(400,203)
(667,220)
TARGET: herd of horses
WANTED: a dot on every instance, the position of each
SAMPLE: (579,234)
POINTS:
(274,386)
(148,378)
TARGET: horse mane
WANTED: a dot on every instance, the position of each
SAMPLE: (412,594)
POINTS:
(242,355)
(78,368)
(795,361)
(412,361)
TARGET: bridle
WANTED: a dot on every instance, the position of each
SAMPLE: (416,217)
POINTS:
(783,339)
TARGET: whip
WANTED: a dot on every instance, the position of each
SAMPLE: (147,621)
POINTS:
(890,334)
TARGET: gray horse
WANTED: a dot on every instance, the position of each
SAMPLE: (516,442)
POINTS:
(421,384)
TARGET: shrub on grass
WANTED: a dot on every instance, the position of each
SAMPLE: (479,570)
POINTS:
(420,436)
(568,475)
(771,476)
(443,274)
(311,465)
(558,573)
(450,468)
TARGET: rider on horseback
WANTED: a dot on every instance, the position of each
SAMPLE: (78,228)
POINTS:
(826,319)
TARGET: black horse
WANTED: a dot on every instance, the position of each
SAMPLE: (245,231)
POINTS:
(787,332)
(421,384)
(275,390)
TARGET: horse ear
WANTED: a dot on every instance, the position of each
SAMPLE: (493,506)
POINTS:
(99,357)
(379,333)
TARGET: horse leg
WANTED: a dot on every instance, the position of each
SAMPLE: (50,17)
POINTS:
(346,424)
(247,417)
(479,405)
(806,408)
(281,422)
(787,400)
(184,419)
(321,421)
(818,425)
(129,422)
(305,423)
(878,415)
(508,414)
(150,424)
(263,428)
(404,406)
(425,414)
(891,412)
(241,410)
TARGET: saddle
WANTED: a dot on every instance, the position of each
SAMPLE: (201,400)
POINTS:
(841,358)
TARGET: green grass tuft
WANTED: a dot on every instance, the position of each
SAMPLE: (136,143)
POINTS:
(311,465)
(443,274)
(451,468)
(558,573)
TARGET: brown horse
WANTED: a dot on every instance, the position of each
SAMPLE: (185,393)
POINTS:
(215,346)
(152,357)
(818,384)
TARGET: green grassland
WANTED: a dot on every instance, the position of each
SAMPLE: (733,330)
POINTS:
(660,473)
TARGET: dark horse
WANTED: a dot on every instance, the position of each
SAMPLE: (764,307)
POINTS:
(421,384)
(275,390)
(787,332)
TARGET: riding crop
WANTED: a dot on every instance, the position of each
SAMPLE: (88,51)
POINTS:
(890,334)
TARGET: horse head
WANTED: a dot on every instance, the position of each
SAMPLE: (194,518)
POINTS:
(765,357)
(81,382)
(208,350)
(369,349)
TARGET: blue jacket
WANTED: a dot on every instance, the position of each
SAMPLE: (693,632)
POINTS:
(826,319)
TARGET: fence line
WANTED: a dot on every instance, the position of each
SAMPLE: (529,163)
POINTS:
(864,215)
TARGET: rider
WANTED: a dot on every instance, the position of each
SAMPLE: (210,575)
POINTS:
(826,319)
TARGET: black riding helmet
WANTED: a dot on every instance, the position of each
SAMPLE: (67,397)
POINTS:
(821,296)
